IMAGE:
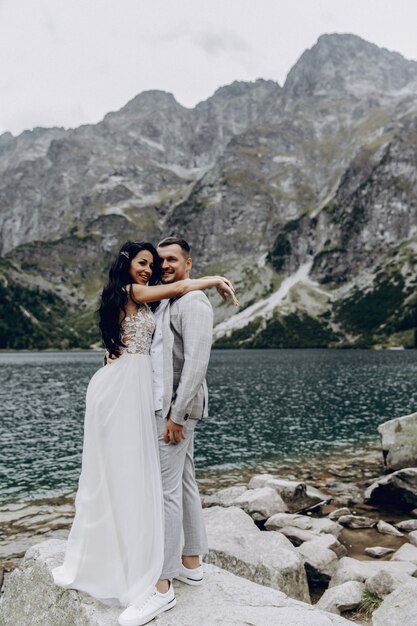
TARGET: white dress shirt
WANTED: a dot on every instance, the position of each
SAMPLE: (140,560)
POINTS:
(157,357)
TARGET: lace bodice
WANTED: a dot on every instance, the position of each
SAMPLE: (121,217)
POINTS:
(137,331)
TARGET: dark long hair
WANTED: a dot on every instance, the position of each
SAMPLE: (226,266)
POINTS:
(114,297)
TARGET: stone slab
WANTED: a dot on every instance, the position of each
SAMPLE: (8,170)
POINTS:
(303,522)
(353,569)
(344,597)
(398,609)
(32,599)
(237,545)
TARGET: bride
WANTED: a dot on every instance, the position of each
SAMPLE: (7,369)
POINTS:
(115,546)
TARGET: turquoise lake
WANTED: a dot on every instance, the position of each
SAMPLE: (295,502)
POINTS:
(265,406)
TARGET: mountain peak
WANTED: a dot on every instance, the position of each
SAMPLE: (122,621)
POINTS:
(347,64)
(241,88)
(145,102)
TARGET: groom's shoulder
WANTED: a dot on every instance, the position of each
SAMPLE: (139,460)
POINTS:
(193,298)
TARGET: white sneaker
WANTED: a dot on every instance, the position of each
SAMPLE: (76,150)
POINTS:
(190,576)
(154,605)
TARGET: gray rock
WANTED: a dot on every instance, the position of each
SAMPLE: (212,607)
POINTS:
(344,494)
(406,552)
(237,545)
(352,569)
(260,503)
(303,522)
(356,521)
(313,492)
(407,525)
(334,515)
(297,535)
(345,597)
(388,529)
(412,537)
(397,490)
(399,441)
(378,551)
(296,494)
(320,562)
(329,541)
(383,583)
(398,609)
(223,497)
(285,488)
(31,599)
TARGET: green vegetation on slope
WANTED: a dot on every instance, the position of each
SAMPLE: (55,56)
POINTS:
(364,313)
(33,319)
(282,331)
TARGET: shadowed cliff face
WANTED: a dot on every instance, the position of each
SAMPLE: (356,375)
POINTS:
(261,179)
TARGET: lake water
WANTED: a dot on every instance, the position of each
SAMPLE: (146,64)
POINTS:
(265,406)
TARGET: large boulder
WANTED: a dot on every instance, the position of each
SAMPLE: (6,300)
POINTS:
(237,545)
(397,490)
(345,597)
(261,503)
(303,522)
(32,599)
(398,609)
(399,441)
(352,569)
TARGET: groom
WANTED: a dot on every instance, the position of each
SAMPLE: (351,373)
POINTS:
(180,355)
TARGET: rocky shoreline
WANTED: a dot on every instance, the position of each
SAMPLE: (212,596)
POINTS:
(339,531)
(26,523)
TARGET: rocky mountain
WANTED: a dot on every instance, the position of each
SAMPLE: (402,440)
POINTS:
(305,195)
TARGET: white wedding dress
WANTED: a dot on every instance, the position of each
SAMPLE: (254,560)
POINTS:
(115,547)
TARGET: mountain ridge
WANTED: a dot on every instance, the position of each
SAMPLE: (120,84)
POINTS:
(262,179)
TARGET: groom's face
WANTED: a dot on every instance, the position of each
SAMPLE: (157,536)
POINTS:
(175,265)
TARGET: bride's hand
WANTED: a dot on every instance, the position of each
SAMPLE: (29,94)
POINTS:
(225,289)
(223,278)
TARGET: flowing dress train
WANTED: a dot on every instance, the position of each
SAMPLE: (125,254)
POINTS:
(115,547)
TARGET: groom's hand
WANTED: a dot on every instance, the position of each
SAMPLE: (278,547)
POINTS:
(173,433)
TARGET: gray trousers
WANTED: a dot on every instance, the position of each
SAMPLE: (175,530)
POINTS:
(181,499)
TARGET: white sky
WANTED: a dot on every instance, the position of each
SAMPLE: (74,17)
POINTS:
(69,62)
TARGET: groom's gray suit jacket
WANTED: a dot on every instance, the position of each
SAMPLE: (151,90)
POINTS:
(187,337)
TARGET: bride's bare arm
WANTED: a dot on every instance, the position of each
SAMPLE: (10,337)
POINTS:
(144,293)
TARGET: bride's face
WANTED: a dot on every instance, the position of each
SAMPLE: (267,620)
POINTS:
(141,267)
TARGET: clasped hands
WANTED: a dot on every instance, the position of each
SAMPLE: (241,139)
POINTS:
(173,433)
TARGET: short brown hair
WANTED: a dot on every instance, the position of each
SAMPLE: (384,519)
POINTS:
(170,241)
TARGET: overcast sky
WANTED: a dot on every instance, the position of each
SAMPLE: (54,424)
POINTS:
(69,62)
